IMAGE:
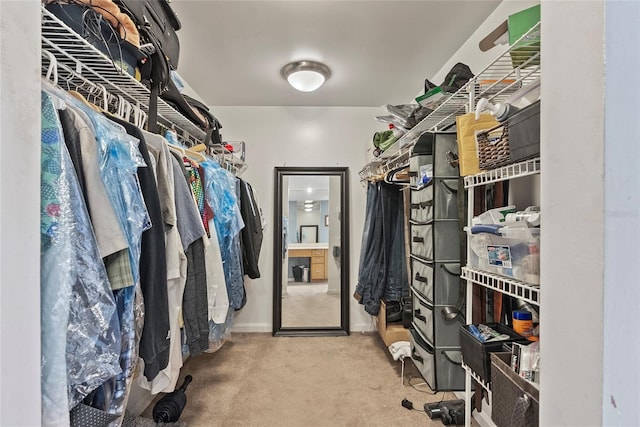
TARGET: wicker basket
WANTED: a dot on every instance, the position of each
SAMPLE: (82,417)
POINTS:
(493,147)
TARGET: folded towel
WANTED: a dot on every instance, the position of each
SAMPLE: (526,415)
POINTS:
(400,350)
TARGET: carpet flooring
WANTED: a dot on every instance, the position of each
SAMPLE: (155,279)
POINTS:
(258,380)
(310,305)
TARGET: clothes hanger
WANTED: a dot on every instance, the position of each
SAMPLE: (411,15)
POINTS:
(195,156)
(199,148)
(127,109)
(52,71)
(105,97)
(139,116)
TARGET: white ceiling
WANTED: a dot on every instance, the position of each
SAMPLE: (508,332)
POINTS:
(379,52)
(308,187)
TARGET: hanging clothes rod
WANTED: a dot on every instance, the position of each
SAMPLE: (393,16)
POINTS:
(65,77)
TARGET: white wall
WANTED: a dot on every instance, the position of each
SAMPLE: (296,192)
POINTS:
(621,388)
(469,53)
(525,191)
(19,213)
(333,210)
(299,136)
(572,151)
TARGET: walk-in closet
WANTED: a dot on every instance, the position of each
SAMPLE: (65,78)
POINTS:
(318,213)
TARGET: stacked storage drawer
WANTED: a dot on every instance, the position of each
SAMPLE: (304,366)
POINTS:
(438,292)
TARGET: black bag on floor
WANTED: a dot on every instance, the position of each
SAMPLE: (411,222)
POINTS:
(169,408)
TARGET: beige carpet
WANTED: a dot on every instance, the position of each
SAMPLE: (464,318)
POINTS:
(259,380)
(309,304)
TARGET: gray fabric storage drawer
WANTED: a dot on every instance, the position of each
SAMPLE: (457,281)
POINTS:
(438,144)
(438,200)
(423,356)
(447,330)
(423,317)
(441,367)
(415,162)
(438,282)
(433,323)
(436,240)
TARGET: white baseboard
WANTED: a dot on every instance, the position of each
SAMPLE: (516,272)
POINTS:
(251,327)
(262,327)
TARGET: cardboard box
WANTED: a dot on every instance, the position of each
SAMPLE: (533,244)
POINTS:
(390,333)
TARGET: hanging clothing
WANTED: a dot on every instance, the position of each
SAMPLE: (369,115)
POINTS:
(252,231)
(223,198)
(382,271)
(194,300)
(113,246)
(176,261)
(78,311)
(118,158)
(154,345)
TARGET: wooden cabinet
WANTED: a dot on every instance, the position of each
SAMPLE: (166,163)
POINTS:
(317,261)
(319,264)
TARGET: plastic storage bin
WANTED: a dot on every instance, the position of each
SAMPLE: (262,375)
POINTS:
(513,252)
(476,354)
(494,216)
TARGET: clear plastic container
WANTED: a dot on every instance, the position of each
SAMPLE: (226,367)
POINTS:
(493,216)
(514,253)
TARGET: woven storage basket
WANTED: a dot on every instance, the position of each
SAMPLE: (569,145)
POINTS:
(515,400)
(493,152)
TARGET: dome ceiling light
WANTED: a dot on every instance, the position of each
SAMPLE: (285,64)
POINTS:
(306,76)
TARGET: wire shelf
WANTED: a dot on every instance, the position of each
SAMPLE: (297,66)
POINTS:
(515,288)
(518,66)
(72,50)
(516,170)
(476,377)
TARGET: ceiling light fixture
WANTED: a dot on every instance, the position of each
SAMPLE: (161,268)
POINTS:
(308,209)
(306,76)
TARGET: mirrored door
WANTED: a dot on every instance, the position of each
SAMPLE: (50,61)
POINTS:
(311,252)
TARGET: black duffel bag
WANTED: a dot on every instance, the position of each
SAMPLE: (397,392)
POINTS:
(158,23)
(196,112)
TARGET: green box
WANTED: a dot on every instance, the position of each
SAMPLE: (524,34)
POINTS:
(519,24)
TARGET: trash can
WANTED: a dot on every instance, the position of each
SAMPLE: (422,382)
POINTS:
(297,272)
(305,274)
